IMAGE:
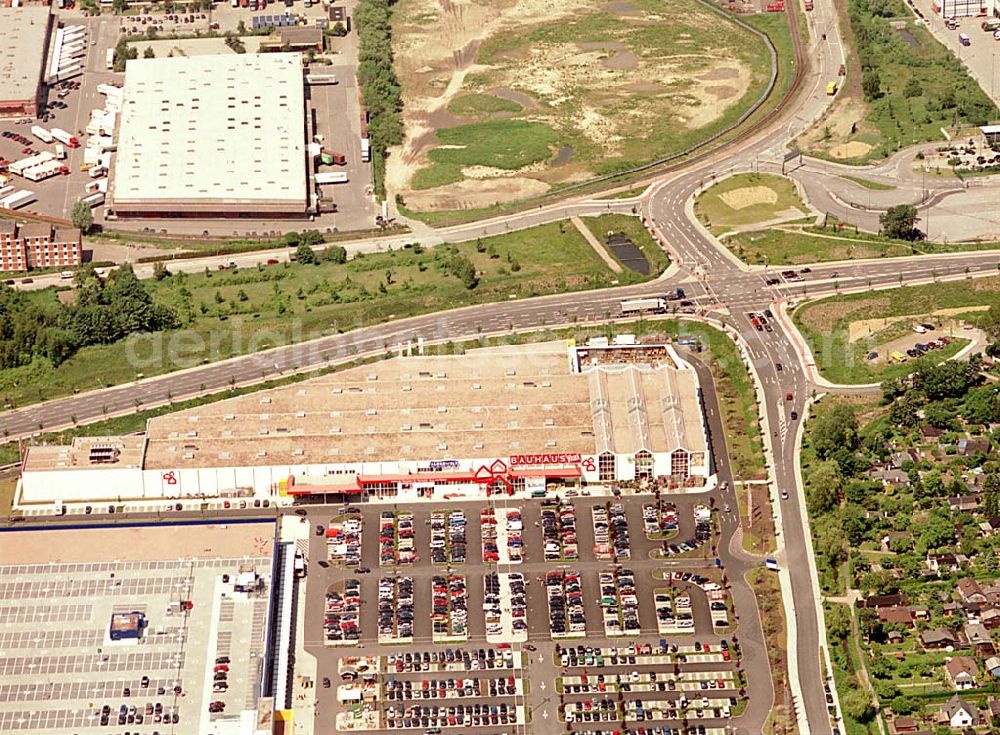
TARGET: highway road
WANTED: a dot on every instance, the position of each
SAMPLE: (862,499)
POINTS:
(722,289)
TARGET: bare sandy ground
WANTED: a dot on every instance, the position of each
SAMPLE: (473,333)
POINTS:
(136,544)
(576,87)
(749,196)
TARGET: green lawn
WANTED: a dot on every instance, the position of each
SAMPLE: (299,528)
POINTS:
(233,312)
(475,105)
(633,228)
(504,144)
(817,245)
(824,324)
(868,184)
(733,201)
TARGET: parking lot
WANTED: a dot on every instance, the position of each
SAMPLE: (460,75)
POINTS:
(201,642)
(580,636)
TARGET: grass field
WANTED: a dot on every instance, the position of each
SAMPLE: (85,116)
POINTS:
(816,245)
(234,312)
(747,199)
(633,228)
(601,88)
(824,324)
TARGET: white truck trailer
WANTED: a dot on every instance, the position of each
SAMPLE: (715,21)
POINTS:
(643,306)
(332,177)
(17,199)
(42,134)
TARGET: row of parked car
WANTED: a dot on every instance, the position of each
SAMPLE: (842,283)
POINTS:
(565,596)
(451,659)
(559,531)
(342,613)
(611,532)
(517,602)
(448,537)
(659,521)
(395,608)
(514,529)
(434,716)
(395,689)
(396,538)
(154,712)
(619,603)
(450,600)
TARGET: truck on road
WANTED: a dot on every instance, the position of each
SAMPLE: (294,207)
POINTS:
(643,306)
(963,38)
(366,150)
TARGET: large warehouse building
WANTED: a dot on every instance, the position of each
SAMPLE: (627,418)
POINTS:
(496,420)
(24,38)
(212,136)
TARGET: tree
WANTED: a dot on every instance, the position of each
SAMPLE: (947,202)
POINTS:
(858,705)
(899,222)
(838,622)
(338,29)
(305,255)
(160,271)
(335,254)
(149,53)
(82,216)
(119,6)
(834,429)
(312,237)
(871,85)
(824,487)
(912,88)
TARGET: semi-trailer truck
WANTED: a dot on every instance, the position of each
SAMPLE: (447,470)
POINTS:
(94,200)
(17,199)
(644,306)
(65,138)
(41,133)
(366,150)
(332,177)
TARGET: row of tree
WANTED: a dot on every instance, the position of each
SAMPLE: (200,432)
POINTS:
(105,311)
(377,78)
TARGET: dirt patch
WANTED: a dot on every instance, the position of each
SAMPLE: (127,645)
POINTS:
(854,149)
(822,318)
(723,92)
(623,7)
(476,193)
(622,60)
(717,75)
(749,196)
(866,327)
(563,157)
(512,95)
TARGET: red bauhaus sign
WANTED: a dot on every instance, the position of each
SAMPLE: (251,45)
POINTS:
(522,460)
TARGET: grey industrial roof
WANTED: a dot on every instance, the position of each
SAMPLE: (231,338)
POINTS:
(23,33)
(212,132)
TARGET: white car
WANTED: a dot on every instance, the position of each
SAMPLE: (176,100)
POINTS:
(784,495)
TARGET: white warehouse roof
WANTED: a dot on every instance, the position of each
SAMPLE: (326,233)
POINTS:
(23,34)
(212,134)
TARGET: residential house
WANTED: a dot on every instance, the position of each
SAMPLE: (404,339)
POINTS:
(970,591)
(990,618)
(931,432)
(890,600)
(957,713)
(893,536)
(920,612)
(992,593)
(900,615)
(964,503)
(894,636)
(962,672)
(979,637)
(905,725)
(946,563)
(938,638)
(990,526)
(890,478)
(967,447)
(897,459)
(993,667)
